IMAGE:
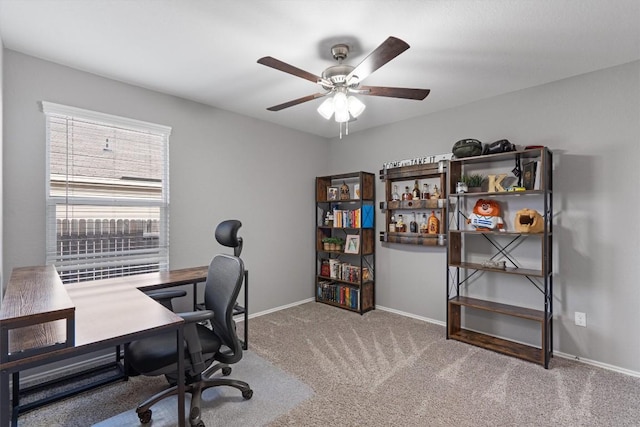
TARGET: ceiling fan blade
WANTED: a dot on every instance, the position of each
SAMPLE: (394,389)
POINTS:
(394,92)
(296,101)
(384,53)
(283,66)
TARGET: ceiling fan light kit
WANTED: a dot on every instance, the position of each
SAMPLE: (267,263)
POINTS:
(342,80)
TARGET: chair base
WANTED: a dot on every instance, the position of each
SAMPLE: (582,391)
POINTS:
(195,389)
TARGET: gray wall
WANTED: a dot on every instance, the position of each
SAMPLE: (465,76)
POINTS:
(222,166)
(592,124)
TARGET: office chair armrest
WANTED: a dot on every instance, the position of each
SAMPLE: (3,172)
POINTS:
(164,297)
(191,336)
(166,294)
(196,316)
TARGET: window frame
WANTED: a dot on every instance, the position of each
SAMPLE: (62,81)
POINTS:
(67,112)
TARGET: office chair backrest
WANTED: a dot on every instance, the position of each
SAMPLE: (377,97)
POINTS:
(227,235)
(224,280)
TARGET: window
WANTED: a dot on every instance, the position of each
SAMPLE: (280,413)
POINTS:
(107,194)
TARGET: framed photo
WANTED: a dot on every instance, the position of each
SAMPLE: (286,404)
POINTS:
(352,244)
(332,193)
(529,175)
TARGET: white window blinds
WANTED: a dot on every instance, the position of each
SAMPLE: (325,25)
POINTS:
(107,194)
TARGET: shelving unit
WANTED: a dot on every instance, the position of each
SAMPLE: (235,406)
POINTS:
(430,173)
(526,255)
(345,276)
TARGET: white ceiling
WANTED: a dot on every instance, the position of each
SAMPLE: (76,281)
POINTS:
(206,51)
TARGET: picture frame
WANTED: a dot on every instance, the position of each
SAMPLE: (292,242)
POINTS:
(352,244)
(529,175)
(332,193)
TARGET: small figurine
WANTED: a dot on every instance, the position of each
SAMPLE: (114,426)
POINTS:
(528,221)
(344,191)
(486,216)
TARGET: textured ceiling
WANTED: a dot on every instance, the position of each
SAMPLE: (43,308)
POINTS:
(206,51)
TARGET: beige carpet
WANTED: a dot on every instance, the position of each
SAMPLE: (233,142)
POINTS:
(337,368)
(383,369)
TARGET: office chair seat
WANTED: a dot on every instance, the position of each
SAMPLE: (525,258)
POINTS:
(157,355)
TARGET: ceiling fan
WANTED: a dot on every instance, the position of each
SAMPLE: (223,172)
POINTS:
(343,80)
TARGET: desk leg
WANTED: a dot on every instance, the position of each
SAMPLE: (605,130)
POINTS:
(245,343)
(5,410)
(181,412)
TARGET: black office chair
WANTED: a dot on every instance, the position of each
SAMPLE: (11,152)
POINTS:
(158,355)
(227,235)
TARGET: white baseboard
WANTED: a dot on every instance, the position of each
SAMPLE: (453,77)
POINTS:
(413,316)
(273,310)
(598,364)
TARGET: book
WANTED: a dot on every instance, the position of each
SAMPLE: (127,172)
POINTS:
(529,175)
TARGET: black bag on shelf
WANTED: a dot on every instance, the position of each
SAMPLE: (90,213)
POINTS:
(467,148)
(501,146)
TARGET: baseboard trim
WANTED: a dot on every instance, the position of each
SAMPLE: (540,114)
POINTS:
(413,316)
(280,308)
(602,365)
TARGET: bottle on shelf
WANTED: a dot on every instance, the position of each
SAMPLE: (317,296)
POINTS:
(400,224)
(407,194)
(436,193)
(392,224)
(413,225)
(395,195)
(433,225)
(415,193)
(424,228)
(425,192)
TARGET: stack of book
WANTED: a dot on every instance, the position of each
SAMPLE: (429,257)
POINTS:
(358,218)
(340,294)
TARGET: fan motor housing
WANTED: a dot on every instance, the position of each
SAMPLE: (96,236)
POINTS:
(337,74)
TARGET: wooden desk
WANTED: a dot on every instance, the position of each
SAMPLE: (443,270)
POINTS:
(31,306)
(107,313)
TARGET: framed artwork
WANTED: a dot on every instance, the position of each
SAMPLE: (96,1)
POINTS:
(332,193)
(352,244)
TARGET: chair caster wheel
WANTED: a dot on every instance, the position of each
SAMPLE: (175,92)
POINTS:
(247,394)
(145,417)
(226,371)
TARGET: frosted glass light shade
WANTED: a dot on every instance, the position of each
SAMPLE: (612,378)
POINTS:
(326,108)
(341,107)
(356,107)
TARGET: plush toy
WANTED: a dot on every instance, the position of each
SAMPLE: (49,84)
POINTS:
(486,215)
(528,221)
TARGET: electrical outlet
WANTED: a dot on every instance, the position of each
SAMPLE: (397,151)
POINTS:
(581,319)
